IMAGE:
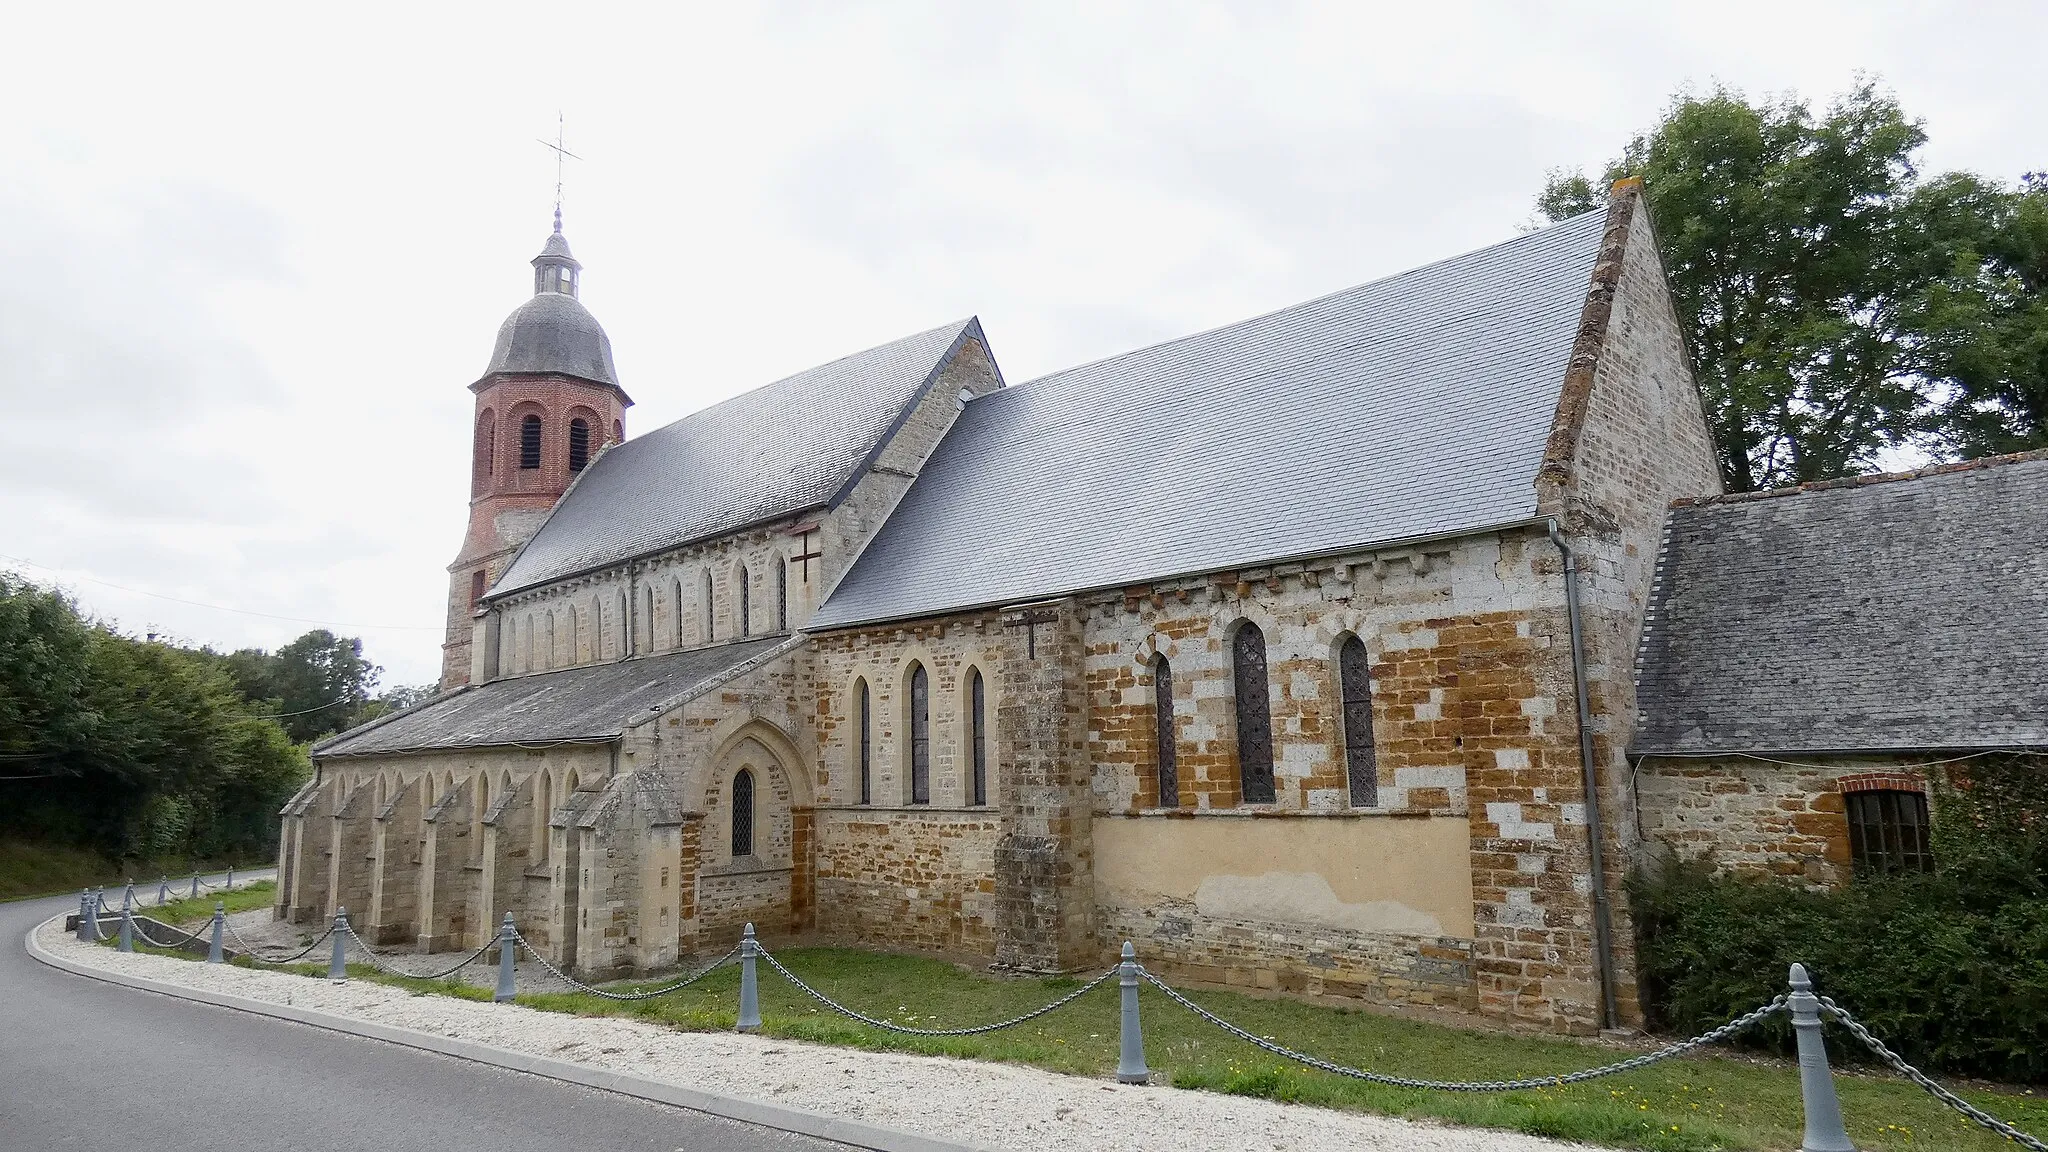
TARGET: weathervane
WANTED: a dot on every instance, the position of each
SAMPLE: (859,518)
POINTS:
(561,154)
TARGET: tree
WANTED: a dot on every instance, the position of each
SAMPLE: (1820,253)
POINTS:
(317,685)
(1836,305)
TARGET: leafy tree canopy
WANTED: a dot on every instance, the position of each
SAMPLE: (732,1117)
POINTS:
(1837,302)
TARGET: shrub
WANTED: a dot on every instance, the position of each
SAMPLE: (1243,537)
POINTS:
(1950,969)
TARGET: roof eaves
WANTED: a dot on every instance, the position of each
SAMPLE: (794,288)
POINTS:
(317,750)
(595,738)
(1260,562)
(1863,481)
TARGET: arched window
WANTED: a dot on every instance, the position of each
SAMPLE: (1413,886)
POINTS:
(579,444)
(782,597)
(486,446)
(746,621)
(618,432)
(977,738)
(1166,748)
(710,623)
(482,798)
(549,642)
(1254,716)
(1354,685)
(543,811)
(743,813)
(920,736)
(624,617)
(648,630)
(572,656)
(676,610)
(867,741)
(529,442)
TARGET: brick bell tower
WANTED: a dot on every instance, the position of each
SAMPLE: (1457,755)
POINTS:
(547,404)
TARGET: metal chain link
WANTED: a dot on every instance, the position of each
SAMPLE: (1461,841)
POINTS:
(843,1010)
(1629,1065)
(249,949)
(1977,1115)
(380,965)
(189,937)
(580,986)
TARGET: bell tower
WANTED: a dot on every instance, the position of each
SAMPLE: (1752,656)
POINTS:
(547,404)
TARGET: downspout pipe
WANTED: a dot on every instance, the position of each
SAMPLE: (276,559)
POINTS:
(1603,921)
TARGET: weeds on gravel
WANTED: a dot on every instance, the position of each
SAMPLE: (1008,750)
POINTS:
(1689,1105)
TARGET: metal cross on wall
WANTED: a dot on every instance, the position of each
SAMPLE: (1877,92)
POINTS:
(809,553)
(1029,620)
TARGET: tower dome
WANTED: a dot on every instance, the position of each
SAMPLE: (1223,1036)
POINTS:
(553,333)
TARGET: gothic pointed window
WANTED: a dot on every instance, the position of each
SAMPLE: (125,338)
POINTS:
(867,741)
(1254,716)
(743,813)
(676,607)
(529,442)
(977,737)
(782,597)
(710,624)
(579,444)
(1166,754)
(920,736)
(746,620)
(1354,683)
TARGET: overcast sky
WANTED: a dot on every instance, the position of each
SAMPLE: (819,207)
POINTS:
(250,260)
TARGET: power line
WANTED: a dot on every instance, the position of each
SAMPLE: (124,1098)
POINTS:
(224,608)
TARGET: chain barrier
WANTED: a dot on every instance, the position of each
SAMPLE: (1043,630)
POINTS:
(580,986)
(843,1010)
(189,937)
(1976,1115)
(1629,1065)
(250,951)
(380,965)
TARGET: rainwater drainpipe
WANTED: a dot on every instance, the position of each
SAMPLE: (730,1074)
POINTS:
(1603,925)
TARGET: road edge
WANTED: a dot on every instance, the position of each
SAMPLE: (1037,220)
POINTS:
(853,1133)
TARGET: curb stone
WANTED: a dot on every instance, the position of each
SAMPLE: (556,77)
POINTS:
(853,1133)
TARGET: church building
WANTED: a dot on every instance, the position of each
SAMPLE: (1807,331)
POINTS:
(1303,652)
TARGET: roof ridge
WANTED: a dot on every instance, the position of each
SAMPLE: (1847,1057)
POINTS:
(1298,304)
(1866,480)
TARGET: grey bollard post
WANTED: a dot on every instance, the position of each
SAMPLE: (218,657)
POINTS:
(231,879)
(750,991)
(1824,1132)
(128,895)
(220,919)
(195,886)
(337,968)
(127,930)
(99,904)
(508,944)
(85,916)
(163,891)
(1130,1049)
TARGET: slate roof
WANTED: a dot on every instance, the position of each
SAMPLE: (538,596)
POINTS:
(795,444)
(1410,406)
(1903,612)
(588,703)
(554,332)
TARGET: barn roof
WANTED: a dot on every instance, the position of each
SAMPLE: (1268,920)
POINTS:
(1899,612)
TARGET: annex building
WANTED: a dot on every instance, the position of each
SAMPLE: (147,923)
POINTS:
(1308,653)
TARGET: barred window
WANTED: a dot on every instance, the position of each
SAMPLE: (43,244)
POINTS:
(529,442)
(1254,716)
(782,597)
(867,732)
(579,444)
(710,620)
(743,813)
(1167,754)
(920,736)
(1355,685)
(977,735)
(1888,831)
(746,621)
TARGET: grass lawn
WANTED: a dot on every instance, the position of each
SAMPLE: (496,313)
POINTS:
(241,898)
(1711,1102)
(49,869)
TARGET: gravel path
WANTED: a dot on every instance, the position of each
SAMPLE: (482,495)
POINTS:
(993,1105)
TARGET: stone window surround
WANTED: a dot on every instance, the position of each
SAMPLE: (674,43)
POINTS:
(939,688)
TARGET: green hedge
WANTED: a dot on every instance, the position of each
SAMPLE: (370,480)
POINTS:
(1949,968)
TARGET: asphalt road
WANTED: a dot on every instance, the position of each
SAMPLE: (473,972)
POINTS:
(86,1064)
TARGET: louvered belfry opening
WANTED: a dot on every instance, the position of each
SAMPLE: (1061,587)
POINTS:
(1254,716)
(579,444)
(529,442)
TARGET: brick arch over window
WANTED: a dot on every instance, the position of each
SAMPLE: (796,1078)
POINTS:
(585,426)
(1354,693)
(1254,714)
(486,450)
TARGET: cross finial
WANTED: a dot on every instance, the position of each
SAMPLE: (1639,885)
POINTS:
(561,154)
